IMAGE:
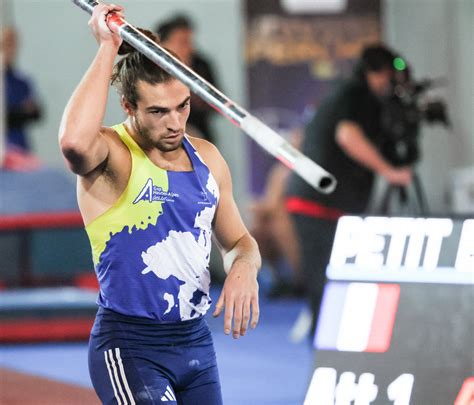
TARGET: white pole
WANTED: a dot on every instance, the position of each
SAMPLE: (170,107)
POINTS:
(268,139)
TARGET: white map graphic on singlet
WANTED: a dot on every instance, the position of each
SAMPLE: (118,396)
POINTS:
(170,299)
(180,255)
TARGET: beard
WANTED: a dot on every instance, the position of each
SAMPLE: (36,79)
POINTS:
(162,143)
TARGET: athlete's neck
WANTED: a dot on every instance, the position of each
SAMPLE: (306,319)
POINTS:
(172,160)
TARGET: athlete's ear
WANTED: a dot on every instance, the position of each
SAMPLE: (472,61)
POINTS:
(127,106)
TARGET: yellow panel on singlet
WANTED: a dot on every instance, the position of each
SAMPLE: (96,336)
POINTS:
(125,213)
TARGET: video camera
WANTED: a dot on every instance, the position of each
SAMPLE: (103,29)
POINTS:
(403,112)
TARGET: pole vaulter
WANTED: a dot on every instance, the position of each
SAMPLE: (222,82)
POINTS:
(268,139)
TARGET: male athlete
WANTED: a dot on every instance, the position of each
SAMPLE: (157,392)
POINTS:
(150,197)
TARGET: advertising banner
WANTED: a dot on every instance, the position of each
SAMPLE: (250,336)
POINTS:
(296,51)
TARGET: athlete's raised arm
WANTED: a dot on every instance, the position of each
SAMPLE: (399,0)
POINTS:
(81,134)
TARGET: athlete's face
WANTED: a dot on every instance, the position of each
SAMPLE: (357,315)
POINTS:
(161,114)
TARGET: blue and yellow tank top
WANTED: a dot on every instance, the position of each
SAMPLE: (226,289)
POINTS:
(151,248)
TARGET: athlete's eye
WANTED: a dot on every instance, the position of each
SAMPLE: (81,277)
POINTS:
(184,105)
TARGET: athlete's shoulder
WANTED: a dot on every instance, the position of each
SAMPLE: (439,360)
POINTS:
(119,155)
(211,156)
(206,149)
(113,138)
(108,133)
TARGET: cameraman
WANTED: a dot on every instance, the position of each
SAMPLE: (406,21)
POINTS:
(343,136)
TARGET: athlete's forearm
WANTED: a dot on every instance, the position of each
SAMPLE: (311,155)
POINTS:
(84,113)
(246,251)
(239,294)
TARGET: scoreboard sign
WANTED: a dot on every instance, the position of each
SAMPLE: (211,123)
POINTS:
(396,324)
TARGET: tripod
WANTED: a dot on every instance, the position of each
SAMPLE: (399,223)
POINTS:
(412,199)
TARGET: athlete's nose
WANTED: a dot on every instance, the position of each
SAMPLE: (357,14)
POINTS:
(174,123)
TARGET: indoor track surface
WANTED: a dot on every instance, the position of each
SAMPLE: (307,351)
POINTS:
(263,368)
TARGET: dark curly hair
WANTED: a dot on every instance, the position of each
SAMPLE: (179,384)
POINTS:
(135,66)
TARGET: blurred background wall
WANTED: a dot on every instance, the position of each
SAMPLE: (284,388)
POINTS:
(56,48)
(439,44)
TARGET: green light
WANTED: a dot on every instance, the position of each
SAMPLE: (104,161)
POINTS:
(399,64)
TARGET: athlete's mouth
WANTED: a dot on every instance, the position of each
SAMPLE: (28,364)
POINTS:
(173,135)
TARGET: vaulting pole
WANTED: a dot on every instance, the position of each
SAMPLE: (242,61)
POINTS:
(268,139)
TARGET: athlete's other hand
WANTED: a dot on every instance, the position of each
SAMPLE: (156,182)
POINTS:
(99,27)
(239,297)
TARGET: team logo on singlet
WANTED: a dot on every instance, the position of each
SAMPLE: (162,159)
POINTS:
(152,193)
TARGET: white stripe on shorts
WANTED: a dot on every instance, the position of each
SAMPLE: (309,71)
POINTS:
(124,378)
(114,378)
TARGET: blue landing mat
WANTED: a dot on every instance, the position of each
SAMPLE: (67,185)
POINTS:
(44,190)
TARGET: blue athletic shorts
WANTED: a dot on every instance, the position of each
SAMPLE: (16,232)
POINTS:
(137,361)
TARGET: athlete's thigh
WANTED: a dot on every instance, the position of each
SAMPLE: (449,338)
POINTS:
(205,388)
(122,376)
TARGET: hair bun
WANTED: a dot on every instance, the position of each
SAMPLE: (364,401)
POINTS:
(126,48)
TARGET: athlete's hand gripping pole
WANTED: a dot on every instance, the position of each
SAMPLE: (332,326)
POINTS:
(268,139)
